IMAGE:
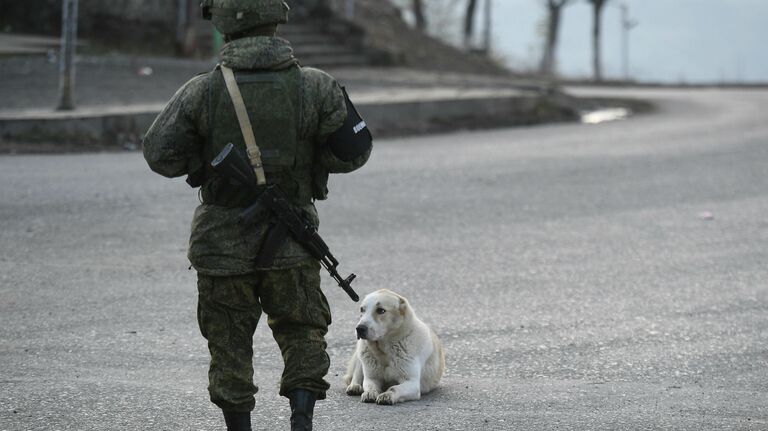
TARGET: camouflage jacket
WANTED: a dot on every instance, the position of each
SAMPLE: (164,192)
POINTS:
(219,246)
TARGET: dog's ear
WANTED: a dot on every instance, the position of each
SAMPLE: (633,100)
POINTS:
(403,305)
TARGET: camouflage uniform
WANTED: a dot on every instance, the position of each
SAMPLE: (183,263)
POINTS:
(197,122)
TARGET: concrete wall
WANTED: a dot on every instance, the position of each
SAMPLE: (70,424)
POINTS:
(131,10)
(127,25)
(16,16)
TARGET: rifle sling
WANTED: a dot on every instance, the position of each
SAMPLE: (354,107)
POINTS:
(254,154)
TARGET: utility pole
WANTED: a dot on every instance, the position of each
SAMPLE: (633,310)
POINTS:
(627,24)
(182,24)
(488,27)
(67,61)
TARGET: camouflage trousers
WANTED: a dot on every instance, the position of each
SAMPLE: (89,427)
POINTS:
(229,308)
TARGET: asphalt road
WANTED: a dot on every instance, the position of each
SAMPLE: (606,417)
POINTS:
(581,277)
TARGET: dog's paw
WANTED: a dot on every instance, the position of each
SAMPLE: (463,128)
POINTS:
(386,399)
(369,397)
(354,389)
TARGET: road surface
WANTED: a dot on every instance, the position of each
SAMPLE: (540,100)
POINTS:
(581,277)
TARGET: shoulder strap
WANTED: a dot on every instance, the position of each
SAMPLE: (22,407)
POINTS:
(254,154)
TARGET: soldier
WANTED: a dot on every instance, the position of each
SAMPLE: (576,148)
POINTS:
(299,118)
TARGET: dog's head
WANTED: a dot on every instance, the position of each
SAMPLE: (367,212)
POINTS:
(382,312)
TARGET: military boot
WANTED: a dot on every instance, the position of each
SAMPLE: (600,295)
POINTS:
(237,421)
(302,408)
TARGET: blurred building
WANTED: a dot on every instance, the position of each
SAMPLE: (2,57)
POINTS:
(157,26)
(152,25)
(324,33)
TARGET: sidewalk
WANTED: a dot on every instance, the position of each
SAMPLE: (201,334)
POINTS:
(29,44)
(118,97)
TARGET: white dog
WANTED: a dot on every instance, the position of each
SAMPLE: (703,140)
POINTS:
(398,357)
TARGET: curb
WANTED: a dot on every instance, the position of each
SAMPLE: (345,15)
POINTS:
(109,127)
(443,115)
(123,127)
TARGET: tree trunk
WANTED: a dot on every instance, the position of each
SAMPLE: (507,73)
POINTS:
(597,12)
(550,44)
(418,12)
(469,23)
(548,60)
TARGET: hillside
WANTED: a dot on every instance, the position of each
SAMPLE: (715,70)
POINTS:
(396,43)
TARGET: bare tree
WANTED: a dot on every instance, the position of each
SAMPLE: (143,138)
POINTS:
(443,19)
(554,10)
(597,13)
(469,22)
(418,13)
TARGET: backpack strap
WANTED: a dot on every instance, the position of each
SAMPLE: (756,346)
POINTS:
(254,154)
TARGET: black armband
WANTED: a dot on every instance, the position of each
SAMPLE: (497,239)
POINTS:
(353,138)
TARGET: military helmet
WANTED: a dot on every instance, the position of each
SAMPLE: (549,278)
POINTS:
(235,16)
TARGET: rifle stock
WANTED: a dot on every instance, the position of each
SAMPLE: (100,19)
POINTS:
(231,164)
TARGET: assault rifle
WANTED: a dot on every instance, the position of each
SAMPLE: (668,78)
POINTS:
(288,221)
